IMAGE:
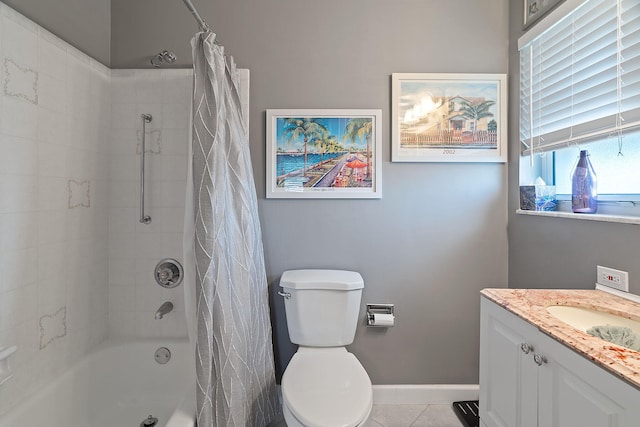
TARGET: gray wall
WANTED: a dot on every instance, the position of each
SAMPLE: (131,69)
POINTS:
(439,234)
(86,24)
(553,252)
(142,28)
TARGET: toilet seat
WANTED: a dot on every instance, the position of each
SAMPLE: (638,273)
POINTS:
(327,387)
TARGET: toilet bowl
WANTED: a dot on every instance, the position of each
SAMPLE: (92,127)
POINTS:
(326,387)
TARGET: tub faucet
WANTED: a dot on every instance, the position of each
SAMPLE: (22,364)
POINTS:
(165,308)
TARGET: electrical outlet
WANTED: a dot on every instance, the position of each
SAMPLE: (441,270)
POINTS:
(613,278)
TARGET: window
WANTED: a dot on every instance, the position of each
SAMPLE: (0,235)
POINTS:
(580,89)
(618,175)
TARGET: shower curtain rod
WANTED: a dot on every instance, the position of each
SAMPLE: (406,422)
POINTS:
(203,25)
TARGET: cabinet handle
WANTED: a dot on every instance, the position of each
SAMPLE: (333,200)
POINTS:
(539,359)
(526,348)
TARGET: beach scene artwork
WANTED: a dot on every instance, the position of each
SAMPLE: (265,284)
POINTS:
(442,115)
(323,154)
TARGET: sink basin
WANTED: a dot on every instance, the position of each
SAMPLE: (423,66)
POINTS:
(585,318)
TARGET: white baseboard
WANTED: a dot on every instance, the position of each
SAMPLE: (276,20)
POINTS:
(420,394)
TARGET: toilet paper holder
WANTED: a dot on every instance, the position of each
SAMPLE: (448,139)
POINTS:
(373,309)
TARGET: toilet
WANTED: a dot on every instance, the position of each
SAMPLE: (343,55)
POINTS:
(324,385)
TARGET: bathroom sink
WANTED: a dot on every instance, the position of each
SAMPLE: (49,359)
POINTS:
(585,318)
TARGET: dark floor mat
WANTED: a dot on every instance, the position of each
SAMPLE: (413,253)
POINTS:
(468,412)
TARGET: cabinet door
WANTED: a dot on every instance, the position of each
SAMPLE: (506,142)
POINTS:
(508,375)
(574,392)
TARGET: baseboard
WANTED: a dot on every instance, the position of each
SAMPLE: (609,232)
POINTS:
(420,394)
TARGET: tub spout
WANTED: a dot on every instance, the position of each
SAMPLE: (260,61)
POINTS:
(165,308)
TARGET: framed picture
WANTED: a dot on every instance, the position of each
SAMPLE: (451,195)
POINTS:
(536,9)
(449,117)
(330,154)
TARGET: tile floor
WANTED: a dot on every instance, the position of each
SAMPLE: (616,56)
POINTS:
(408,416)
(414,416)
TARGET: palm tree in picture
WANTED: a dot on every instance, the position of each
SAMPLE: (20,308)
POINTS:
(476,111)
(310,129)
(331,145)
(360,128)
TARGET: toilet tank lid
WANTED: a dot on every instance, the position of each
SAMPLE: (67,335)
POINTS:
(322,279)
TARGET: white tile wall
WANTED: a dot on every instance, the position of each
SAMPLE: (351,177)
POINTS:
(55,107)
(135,248)
(75,263)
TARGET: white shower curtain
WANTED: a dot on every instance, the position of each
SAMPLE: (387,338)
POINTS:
(234,354)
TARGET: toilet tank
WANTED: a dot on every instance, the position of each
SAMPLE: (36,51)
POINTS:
(323,308)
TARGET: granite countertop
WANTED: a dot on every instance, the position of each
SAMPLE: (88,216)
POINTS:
(531,304)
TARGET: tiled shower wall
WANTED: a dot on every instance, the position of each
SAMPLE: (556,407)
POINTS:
(55,110)
(135,248)
(75,263)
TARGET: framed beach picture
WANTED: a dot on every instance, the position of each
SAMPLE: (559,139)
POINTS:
(330,154)
(449,117)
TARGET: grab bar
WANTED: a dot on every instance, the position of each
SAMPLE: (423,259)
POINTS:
(146,118)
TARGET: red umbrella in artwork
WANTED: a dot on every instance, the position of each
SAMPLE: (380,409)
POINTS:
(356,164)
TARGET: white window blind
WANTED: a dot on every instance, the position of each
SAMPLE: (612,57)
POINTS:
(580,79)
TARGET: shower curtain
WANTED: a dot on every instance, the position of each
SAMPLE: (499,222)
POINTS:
(234,354)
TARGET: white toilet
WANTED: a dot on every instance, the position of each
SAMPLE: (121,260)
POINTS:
(324,385)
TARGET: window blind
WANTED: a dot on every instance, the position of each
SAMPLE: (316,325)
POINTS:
(580,78)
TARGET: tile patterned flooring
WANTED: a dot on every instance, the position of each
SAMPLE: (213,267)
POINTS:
(409,416)
(414,416)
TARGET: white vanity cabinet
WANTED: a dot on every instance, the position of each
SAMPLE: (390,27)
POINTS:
(508,375)
(528,379)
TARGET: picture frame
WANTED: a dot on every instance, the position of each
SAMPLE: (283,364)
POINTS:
(449,117)
(324,153)
(536,9)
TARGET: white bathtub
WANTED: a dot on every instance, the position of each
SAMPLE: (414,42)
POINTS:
(117,385)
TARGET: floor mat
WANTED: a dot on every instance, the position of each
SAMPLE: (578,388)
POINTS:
(468,412)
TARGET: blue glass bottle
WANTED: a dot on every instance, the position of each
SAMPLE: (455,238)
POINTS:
(584,193)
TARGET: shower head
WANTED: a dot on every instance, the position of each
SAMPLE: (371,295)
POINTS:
(164,57)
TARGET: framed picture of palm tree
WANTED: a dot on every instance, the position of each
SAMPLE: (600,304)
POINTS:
(449,117)
(330,154)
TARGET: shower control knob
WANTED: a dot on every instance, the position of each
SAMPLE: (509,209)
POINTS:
(165,274)
(168,273)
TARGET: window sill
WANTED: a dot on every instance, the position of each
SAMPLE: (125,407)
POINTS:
(588,217)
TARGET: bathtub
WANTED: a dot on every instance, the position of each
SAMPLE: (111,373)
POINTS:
(119,384)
